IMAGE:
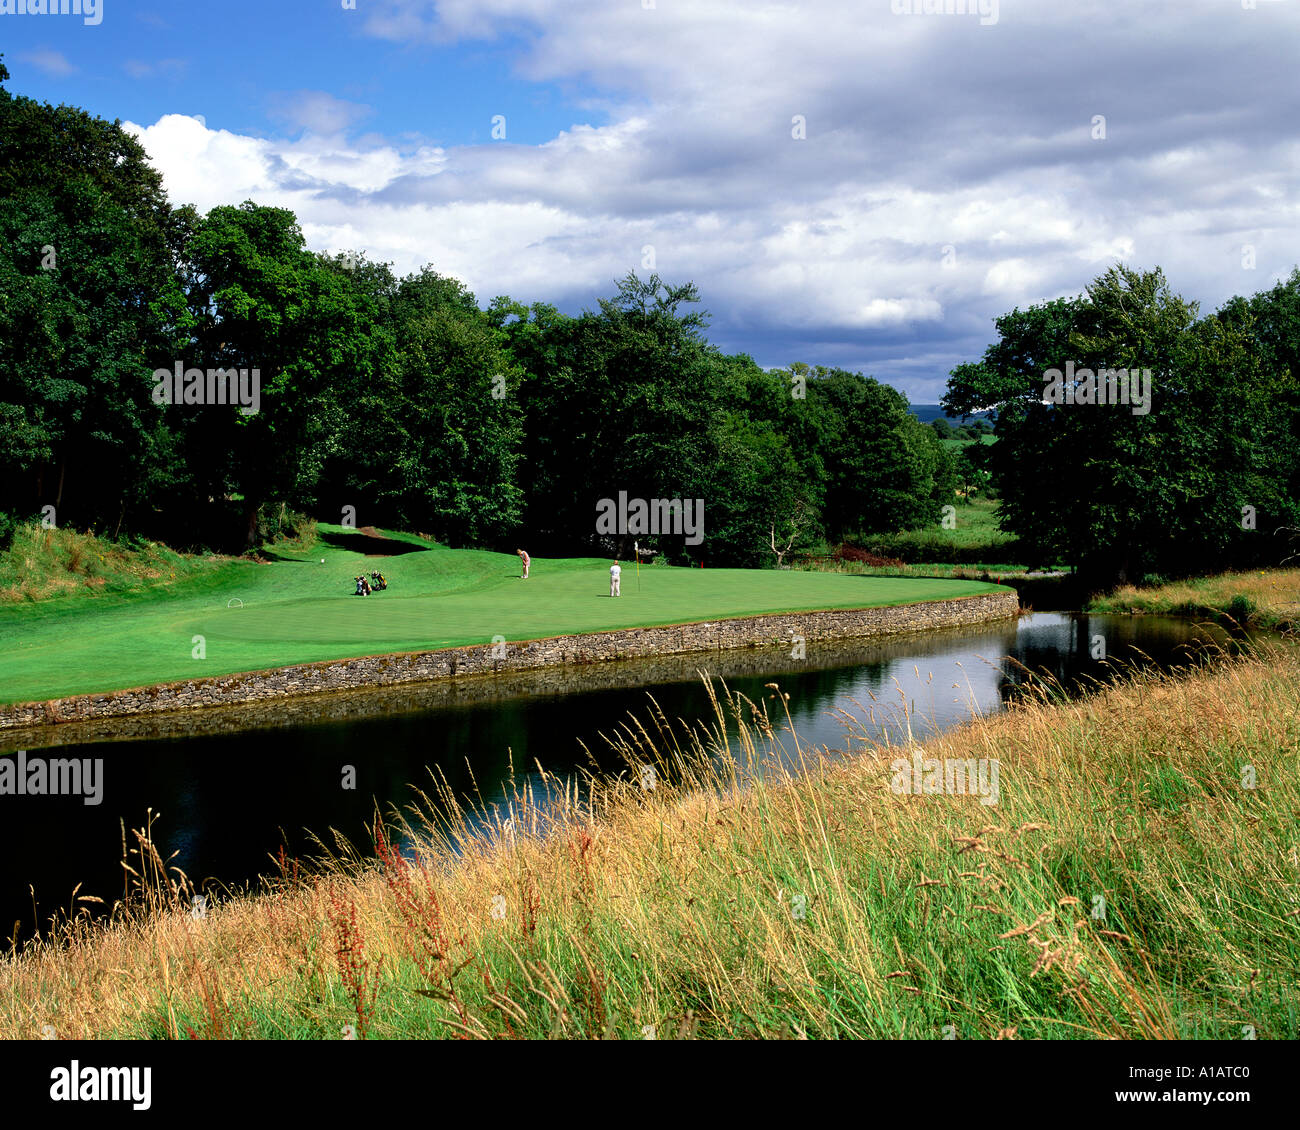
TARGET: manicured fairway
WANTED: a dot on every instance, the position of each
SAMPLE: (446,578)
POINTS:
(255,616)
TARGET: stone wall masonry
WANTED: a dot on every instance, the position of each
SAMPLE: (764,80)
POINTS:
(777,630)
(997,637)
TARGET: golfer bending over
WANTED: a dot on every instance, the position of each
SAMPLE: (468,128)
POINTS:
(615,571)
(526,560)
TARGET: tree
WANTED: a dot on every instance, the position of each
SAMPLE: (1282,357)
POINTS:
(623,398)
(89,300)
(754,488)
(1123,489)
(1271,321)
(795,525)
(884,470)
(260,301)
(461,415)
(969,469)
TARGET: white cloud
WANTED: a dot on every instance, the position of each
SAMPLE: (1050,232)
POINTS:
(156,68)
(922,133)
(53,63)
(315,111)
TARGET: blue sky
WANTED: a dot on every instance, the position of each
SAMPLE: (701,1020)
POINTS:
(848,183)
(242,63)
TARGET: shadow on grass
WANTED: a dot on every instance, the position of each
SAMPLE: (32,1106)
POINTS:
(264,554)
(371,544)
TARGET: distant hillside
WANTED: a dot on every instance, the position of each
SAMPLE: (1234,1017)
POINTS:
(927,413)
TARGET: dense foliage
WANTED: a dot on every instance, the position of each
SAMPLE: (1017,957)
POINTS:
(1206,477)
(389,401)
(402,402)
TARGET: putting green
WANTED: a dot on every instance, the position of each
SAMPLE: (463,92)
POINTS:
(255,616)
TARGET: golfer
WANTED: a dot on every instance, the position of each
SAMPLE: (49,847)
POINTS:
(615,571)
(526,560)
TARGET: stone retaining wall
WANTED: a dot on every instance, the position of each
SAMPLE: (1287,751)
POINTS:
(597,647)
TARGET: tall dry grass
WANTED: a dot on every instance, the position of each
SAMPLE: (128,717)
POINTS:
(1139,878)
(1267,598)
(44,563)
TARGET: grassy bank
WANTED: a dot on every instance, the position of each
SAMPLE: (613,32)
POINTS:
(300,608)
(52,564)
(1137,879)
(996,572)
(975,542)
(1268,599)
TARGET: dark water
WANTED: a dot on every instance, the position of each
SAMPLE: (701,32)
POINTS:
(228,800)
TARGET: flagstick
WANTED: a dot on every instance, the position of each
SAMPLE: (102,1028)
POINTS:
(637,550)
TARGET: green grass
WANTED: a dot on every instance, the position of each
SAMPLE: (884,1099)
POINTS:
(976,524)
(1268,599)
(974,540)
(1126,885)
(254,616)
(44,564)
(995,571)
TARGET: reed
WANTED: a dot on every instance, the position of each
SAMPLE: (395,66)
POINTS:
(1138,878)
(1265,599)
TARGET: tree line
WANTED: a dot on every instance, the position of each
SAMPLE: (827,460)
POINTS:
(408,402)
(400,398)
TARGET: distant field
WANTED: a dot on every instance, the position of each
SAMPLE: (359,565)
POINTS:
(254,616)
(974,541)
(954,444)
(976,524)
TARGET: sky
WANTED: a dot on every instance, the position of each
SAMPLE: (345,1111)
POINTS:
(851,183)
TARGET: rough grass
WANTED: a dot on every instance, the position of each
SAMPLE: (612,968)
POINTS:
(974,547)
(974,539)
(1138,879)
(955,445)
(976,524)
(995,572)
(47,564)
(1267,599)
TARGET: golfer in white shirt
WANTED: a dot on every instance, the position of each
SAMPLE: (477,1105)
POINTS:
(615,571)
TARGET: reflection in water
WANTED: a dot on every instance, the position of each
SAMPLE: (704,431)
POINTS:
(229,799)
